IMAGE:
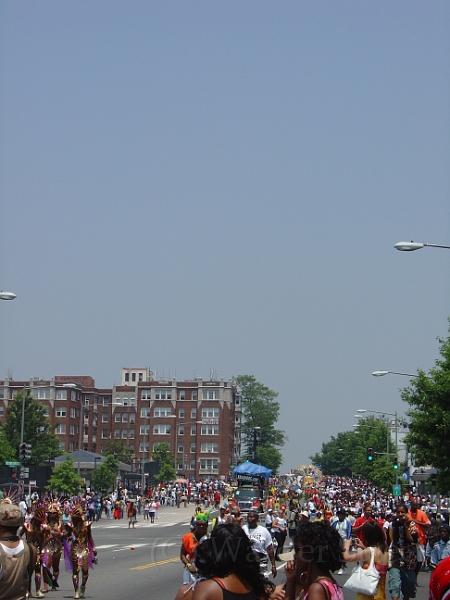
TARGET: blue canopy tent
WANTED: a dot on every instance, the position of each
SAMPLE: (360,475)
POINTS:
(248,468)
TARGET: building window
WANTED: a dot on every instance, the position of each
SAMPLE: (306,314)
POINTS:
(105,400)
(132,401)
(104,417)
(125,401)
(125,418)
(46,411)
(162,412)
(181,413)
(60,429)
(144,429)
(182,394)
(117,417)
(193,447)
(61,412)
(132,418)
(145,412)
(71,446)
(124,434)
(192,464)
(73,413)
(62,445)
(116,434)
(2,393)
(86,400)
(127,377)
(105,434)
(161,429)
(72,429)
(133,376)
(86,431)
(41,393)
(180,448)
(194,394)
(193,430)
(163,394)
(193,413)
(61,394)
(209,447)
(210,394)
(209,465)
(210,413)
(143,447)
(146,395)
(210,430)
(131,434)
(141,377)
(1,411)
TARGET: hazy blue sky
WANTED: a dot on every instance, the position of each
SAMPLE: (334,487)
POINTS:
(219,185)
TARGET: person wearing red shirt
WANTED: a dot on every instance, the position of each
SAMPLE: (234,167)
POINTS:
(422,523)
(366,516)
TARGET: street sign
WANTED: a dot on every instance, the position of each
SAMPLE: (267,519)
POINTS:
(397,489)
(12,463)
(24,472)
(32,483)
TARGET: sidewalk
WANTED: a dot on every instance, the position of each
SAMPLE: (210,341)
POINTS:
(164,516)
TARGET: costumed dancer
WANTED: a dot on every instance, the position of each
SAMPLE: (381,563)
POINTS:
(79,549)
(52,546)
(34,534)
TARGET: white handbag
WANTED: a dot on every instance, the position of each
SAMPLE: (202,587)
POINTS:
(364,581)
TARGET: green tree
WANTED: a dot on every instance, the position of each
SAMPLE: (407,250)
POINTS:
(260,411)
(119,451)
(64,479)
(166,460)
(37,430)
(429,428)
(7,452)
(346,454)
(104,477)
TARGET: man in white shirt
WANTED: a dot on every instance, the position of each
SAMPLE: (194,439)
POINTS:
(261,541)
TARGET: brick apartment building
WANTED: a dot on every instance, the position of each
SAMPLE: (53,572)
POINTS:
(196,418)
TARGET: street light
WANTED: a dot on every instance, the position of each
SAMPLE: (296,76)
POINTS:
(7,295)
(382,373)
(411,246)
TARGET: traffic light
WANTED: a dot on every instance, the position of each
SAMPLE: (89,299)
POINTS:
(24,451)
(370,454)
(395,463)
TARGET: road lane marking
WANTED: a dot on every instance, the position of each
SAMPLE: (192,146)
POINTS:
(104,546)
(155,564)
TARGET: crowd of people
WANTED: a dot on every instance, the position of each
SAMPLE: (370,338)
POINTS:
(337,521)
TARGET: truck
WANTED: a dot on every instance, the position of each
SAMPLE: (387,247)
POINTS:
(250,493)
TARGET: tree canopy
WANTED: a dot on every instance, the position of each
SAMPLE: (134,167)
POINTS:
(119,451)
(166,460)
(260,411)
(429,429)
(105,475)
(64,479)
(37,430)
(346,454)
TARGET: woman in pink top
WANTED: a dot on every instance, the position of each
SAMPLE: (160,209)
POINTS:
(372,537)
(317,553)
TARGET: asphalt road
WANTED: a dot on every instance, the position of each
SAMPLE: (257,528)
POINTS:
(140,563)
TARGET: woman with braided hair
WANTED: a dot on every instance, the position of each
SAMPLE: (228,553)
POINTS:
(79,551)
